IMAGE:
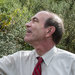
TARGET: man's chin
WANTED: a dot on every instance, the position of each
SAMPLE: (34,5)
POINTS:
(27,40)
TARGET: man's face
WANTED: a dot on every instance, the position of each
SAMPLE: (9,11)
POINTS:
(35,28)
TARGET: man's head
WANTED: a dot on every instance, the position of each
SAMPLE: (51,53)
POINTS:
(44,25)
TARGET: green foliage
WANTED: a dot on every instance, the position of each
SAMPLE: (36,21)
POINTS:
(15,13)
(4,21)
(12,39)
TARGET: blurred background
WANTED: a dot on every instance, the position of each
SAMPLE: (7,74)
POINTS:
(15,13)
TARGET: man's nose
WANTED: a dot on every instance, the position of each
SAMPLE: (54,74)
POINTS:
(28,24)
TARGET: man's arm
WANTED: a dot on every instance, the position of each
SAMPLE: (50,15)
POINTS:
(7,64)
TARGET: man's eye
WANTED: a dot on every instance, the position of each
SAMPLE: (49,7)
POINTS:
(35,20)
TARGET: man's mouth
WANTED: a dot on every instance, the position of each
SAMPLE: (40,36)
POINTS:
(28,31)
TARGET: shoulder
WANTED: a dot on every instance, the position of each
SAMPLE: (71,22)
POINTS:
(8,64)
(65,54)
(24,54)
(16,56)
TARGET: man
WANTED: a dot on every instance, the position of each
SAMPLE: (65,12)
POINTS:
(44,32)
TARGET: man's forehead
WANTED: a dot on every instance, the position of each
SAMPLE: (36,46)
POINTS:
(44,12)
(42,15)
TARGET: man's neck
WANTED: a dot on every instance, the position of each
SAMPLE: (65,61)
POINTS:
(43,47)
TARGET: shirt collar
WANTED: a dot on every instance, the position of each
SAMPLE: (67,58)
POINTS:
(47,57)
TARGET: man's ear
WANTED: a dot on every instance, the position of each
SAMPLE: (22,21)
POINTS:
(50,31)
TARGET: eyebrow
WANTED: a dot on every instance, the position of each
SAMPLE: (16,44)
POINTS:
(33,18)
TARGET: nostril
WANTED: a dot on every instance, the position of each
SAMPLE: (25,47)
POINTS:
(28,24)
